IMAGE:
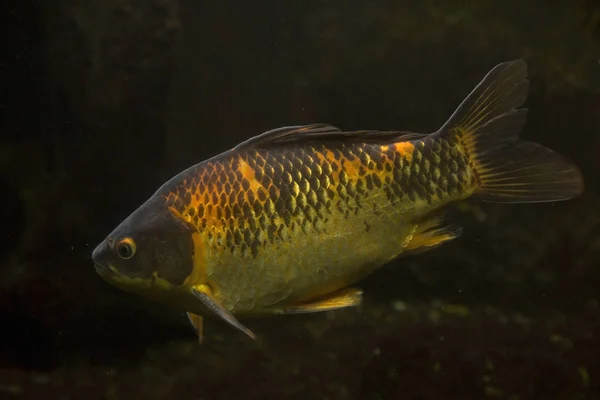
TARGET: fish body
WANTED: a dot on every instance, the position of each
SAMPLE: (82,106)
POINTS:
(288,224)
(289,220)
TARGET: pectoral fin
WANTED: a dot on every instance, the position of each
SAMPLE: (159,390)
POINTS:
(430,234)
(205,295)
(343,298)
(196,321)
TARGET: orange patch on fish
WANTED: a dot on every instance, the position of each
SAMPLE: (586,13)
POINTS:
(248,174)
(405,149)
(321,157)
(198,274)
(196,200)
(330,156)
(352,168)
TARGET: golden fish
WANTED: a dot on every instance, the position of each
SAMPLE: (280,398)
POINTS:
(287,221)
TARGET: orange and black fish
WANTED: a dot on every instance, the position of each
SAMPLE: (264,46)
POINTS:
(287,221)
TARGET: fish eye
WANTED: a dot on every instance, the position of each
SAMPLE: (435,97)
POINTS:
(126,248)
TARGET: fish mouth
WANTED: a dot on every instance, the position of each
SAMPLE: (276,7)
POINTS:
(100,264)
(102,269)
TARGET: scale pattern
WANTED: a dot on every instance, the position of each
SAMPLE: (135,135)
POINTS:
(246,200)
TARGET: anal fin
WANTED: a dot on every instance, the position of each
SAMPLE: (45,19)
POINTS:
(204,294)
(431,233)
(348,297)
(197,323)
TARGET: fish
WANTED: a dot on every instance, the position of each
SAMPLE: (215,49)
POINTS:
(291,220)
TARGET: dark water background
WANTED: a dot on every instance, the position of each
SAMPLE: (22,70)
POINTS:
(105,100)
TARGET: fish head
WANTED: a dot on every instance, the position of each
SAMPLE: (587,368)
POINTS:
(150,253)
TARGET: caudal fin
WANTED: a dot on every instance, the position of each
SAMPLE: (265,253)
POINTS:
(488,123)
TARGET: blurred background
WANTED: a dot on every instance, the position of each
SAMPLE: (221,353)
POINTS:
(107,99)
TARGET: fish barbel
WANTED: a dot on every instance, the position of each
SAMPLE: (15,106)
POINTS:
(289,220)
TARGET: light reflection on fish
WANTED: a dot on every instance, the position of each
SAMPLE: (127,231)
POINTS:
(288,221)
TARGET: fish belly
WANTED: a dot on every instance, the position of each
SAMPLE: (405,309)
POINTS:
(310,263)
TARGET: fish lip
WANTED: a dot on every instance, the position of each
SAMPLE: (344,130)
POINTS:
(101,268)
(99,265)
(99,262)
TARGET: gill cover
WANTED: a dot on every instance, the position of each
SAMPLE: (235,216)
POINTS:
(162,244)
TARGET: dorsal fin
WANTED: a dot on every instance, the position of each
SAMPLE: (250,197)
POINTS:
(499,93)
(304,134)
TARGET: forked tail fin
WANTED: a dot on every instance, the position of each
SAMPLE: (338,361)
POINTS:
(488,123)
